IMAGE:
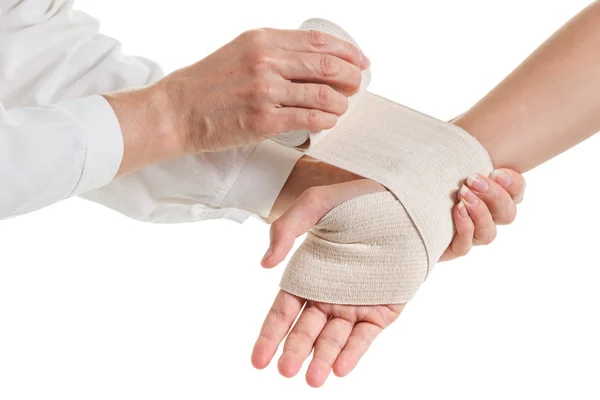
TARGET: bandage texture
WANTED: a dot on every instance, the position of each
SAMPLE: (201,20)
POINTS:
(365,251)
(422,161)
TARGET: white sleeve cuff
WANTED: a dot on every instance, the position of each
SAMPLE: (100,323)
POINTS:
(261,178)
(104,149)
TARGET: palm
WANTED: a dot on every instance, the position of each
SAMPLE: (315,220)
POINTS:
(380,316)
(339,334)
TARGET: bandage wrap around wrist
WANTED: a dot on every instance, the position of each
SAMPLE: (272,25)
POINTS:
(379,248)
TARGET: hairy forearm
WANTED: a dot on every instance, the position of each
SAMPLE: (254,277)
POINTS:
(548,104)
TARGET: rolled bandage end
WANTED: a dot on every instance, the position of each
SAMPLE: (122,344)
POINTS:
(366,251)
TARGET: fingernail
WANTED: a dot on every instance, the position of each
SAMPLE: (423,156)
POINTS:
(468,195)
(268,253)
(501,177)
(477,183)
(462,210)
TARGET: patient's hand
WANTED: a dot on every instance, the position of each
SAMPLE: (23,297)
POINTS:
(341,334)
(484,203)
(312,181)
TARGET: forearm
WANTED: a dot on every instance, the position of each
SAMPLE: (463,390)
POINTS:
(548,104)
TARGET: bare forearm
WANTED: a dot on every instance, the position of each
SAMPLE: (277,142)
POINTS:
(548,104)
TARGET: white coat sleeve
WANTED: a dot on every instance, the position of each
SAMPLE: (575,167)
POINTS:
(50,53)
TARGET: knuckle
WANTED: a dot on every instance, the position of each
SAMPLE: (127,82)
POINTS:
(261,121)
(311,196)
(353,52)
(316,38)
(313,120)
(260,89)
(254,36)
(352,80)
(324,94)
(332,342)
(260,61)
(328,66)
(276,228)
(361,340)
(280,314)
(301,336)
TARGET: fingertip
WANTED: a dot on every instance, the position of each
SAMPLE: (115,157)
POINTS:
(316,375)
(501,177)
(288,366)
(365,63)
(341,368)
(313,381)
(259,357)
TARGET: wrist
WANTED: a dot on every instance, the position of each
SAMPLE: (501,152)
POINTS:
(308,172)
(150,130)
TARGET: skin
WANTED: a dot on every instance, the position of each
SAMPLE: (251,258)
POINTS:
(548,104)
(262,83)
(341,334)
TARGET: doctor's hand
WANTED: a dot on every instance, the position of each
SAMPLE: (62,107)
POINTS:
(264,82)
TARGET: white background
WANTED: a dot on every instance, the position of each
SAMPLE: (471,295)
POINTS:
(96,306)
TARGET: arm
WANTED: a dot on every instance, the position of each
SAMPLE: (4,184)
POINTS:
(153,123)
(547,105)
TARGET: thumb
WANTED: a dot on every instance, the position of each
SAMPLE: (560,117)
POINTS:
(310,207)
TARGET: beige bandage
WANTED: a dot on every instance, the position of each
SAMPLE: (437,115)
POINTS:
(376,249)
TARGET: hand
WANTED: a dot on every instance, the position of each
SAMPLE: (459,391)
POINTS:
(340,334)
(264,82)
(496,205)
(484,203)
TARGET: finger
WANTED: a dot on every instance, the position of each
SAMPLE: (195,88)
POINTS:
(511,181)
(321,68)
(358,343)
(329,345)
(485,227)
(463,240)
(287,119)
(497,199)
(312,95)
(313,41)
(301,340)
(280,318)
(307,211)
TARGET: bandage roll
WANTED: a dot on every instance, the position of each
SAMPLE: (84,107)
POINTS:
(308,138)
(422,161)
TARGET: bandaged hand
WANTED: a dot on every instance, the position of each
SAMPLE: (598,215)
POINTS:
(341,334)
(495,204)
